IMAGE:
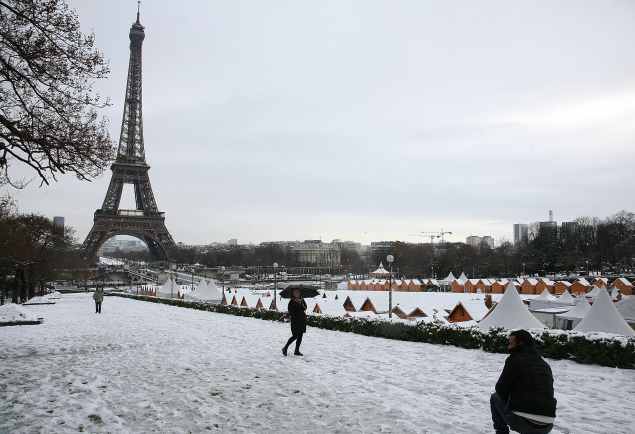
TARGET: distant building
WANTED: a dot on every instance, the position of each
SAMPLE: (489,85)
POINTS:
(473,241)
(315,252)
(488,241)
(521,233)
(58,224)
(232,242)
(568,230)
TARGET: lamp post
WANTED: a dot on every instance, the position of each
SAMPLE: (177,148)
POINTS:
(523,269)
(390,259)
(172,279)
(275,282)
(222,278)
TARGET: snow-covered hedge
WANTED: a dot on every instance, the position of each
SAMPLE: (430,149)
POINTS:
(601,349)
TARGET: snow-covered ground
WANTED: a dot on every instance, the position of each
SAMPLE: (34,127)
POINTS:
(145,367)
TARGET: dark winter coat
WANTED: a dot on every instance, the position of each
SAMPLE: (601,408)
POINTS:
(296,309)
(527,382)
(98,296)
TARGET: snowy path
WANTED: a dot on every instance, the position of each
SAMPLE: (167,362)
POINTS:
(144,367)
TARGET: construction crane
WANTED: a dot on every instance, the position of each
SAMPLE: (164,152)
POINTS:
(435,235)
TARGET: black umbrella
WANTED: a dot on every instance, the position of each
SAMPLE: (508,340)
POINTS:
(306,291)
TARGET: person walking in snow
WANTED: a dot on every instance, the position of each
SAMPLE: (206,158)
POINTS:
(98,296)
(524,399)
(297,312)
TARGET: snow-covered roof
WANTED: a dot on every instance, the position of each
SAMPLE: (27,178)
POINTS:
(566,297)
(578,311)
(510,313)
(583,281)
(450,278)
(545,295)
(475,308)
(564,283)
(532,281)
(624,281)
(462,279)
(604,317)
(380,271)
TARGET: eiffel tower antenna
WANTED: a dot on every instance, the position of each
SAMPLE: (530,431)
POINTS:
(145,222)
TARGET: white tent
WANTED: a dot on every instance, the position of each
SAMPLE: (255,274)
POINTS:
(545,295)
(594,292)
(510,313)
(566,297)
(169,289)
(626,308)
(570,319)
(380,271)
(448,280)
(604,317)
(207,291)
(462,279)
(544,301)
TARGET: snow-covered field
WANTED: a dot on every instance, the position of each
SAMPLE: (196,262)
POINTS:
(144,367)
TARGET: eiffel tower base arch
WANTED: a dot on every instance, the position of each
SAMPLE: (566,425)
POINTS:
(151,230)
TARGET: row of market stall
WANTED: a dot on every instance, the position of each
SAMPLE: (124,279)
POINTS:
(565,311)
(528,286)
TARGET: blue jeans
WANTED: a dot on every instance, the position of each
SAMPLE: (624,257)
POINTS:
(504,419)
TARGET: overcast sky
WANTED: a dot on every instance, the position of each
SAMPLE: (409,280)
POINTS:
(369,120)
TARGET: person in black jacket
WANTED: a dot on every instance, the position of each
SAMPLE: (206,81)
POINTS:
(296,309)
(524,400)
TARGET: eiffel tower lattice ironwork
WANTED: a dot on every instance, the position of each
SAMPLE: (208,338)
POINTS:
(130,167)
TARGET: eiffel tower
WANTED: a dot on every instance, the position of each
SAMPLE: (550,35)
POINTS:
(130,167)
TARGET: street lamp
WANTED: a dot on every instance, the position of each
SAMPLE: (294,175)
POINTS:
(222,278)
(275,282)
(172,279)
(523,269)
(390,259)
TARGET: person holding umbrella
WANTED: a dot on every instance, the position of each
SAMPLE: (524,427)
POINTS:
(297,313)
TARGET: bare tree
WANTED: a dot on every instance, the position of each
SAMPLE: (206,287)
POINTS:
(48,107)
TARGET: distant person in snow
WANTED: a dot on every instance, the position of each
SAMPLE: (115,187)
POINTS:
(524,400)
(297,312)
(98,296)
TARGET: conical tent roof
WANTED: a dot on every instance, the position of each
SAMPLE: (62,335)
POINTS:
(594,292)
(380,271)
(450,278)
(604,317)
(207,291)
(579,311)
(545,295)
(566,297)
(169,288)
(462,278)
(510,313)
